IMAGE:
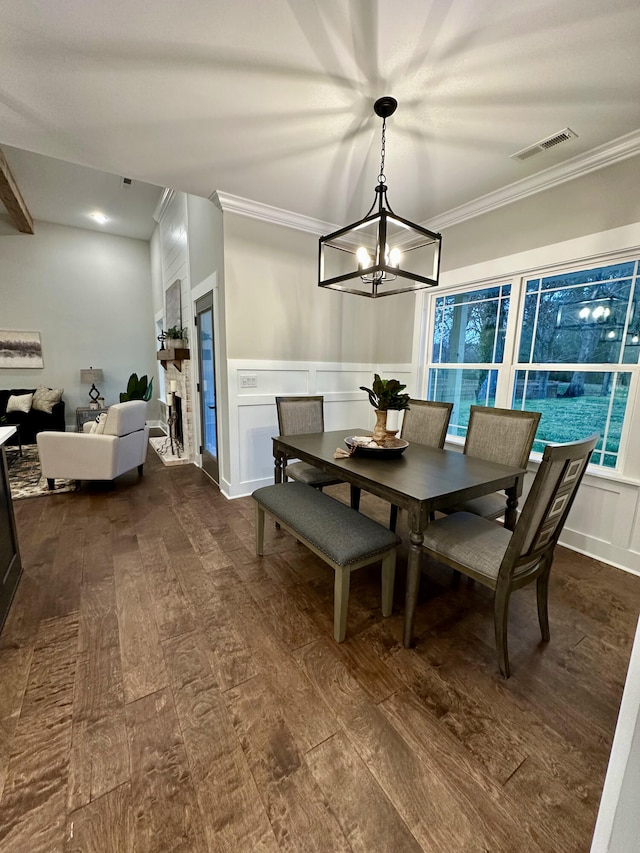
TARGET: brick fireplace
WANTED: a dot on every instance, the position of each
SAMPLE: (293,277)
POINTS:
(162,446)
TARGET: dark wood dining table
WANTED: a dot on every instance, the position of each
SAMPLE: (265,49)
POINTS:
(420,480)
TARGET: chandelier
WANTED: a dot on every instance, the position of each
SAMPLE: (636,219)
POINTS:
(381,254)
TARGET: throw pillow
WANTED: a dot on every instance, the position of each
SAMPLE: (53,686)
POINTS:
(44,399)
(100,422)
(21,403)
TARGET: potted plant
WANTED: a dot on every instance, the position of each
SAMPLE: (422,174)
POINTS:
(385,395)
(176,338)
(137,389)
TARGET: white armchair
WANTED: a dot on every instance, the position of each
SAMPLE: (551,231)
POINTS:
(119,447)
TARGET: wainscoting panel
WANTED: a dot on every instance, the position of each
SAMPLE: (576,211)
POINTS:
(252,410)
(603,522)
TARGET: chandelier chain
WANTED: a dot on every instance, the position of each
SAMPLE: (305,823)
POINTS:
(381,177)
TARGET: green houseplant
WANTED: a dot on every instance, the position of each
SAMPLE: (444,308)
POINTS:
(385,395)
(137,389)
(177,337)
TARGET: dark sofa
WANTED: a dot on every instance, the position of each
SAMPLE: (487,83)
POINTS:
(33,422)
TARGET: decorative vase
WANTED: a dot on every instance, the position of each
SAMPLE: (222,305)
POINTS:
(380,430)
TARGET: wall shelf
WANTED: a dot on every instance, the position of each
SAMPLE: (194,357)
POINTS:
(175,356)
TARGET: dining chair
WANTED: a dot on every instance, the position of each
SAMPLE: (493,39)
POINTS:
(505,560)
(424,422)
(298,416)
(497,435)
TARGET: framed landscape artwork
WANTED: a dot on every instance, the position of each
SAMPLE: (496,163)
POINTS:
(20,349)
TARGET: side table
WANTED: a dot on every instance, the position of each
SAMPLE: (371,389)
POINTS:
(85,414)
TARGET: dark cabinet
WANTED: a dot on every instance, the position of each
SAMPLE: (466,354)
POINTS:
(10,565)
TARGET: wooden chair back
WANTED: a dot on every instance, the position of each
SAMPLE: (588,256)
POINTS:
(547,506)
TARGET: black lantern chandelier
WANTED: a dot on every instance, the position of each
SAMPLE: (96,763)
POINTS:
(383,253)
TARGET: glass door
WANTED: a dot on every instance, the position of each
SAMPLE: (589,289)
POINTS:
(207,386)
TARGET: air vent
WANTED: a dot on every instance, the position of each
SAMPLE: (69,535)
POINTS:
(126,182)
(545,144)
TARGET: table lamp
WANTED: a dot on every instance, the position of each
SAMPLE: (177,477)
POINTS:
(92,375)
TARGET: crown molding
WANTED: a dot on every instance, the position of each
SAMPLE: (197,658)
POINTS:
(276,215)
(605,155)
(163,203)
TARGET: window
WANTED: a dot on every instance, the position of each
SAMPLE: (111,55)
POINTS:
(569,352)
(469,329)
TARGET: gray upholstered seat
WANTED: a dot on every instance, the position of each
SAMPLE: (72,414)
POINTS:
(298,416)
(424,422)
(503,560)
(497,435)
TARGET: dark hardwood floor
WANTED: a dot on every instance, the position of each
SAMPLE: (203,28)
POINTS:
(162,689)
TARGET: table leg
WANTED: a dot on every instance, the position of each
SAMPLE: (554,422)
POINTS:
(511,516)
(355,497)
(413,583)
(277,468)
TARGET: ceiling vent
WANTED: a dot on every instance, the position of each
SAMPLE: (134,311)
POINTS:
(125,183)
(545,144)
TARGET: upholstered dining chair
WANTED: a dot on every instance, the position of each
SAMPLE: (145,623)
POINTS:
(297,416)
(505,560)
(497,435)
(424,422)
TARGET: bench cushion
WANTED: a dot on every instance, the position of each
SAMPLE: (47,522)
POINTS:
(343,534)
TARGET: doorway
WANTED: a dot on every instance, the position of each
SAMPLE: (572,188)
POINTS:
(207,386)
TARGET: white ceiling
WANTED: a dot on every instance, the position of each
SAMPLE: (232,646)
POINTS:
(271,100)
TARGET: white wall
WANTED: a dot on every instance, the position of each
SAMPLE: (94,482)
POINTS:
(597,202)
(275,309)
(89,296)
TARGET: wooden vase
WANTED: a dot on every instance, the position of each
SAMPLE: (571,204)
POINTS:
(380,430)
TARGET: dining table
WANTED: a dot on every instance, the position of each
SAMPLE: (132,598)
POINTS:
(419,480)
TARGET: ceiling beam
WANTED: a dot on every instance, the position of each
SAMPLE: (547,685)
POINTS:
(12,199)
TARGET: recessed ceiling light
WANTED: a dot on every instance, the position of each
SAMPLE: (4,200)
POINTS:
(100,218)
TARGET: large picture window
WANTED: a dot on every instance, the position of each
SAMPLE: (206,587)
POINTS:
(567,352)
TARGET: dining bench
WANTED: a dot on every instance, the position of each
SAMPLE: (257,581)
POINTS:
(344,538)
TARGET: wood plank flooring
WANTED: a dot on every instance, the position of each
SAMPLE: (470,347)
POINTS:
(163,689)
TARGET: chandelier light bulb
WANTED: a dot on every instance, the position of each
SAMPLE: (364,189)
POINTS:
(395,256)
(363,258)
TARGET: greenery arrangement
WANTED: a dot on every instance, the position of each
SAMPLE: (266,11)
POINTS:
(385,394)
(137,389)
(174,333)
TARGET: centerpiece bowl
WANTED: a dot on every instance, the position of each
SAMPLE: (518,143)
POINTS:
(364,445)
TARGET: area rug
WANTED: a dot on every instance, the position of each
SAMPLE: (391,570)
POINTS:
(25,478)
